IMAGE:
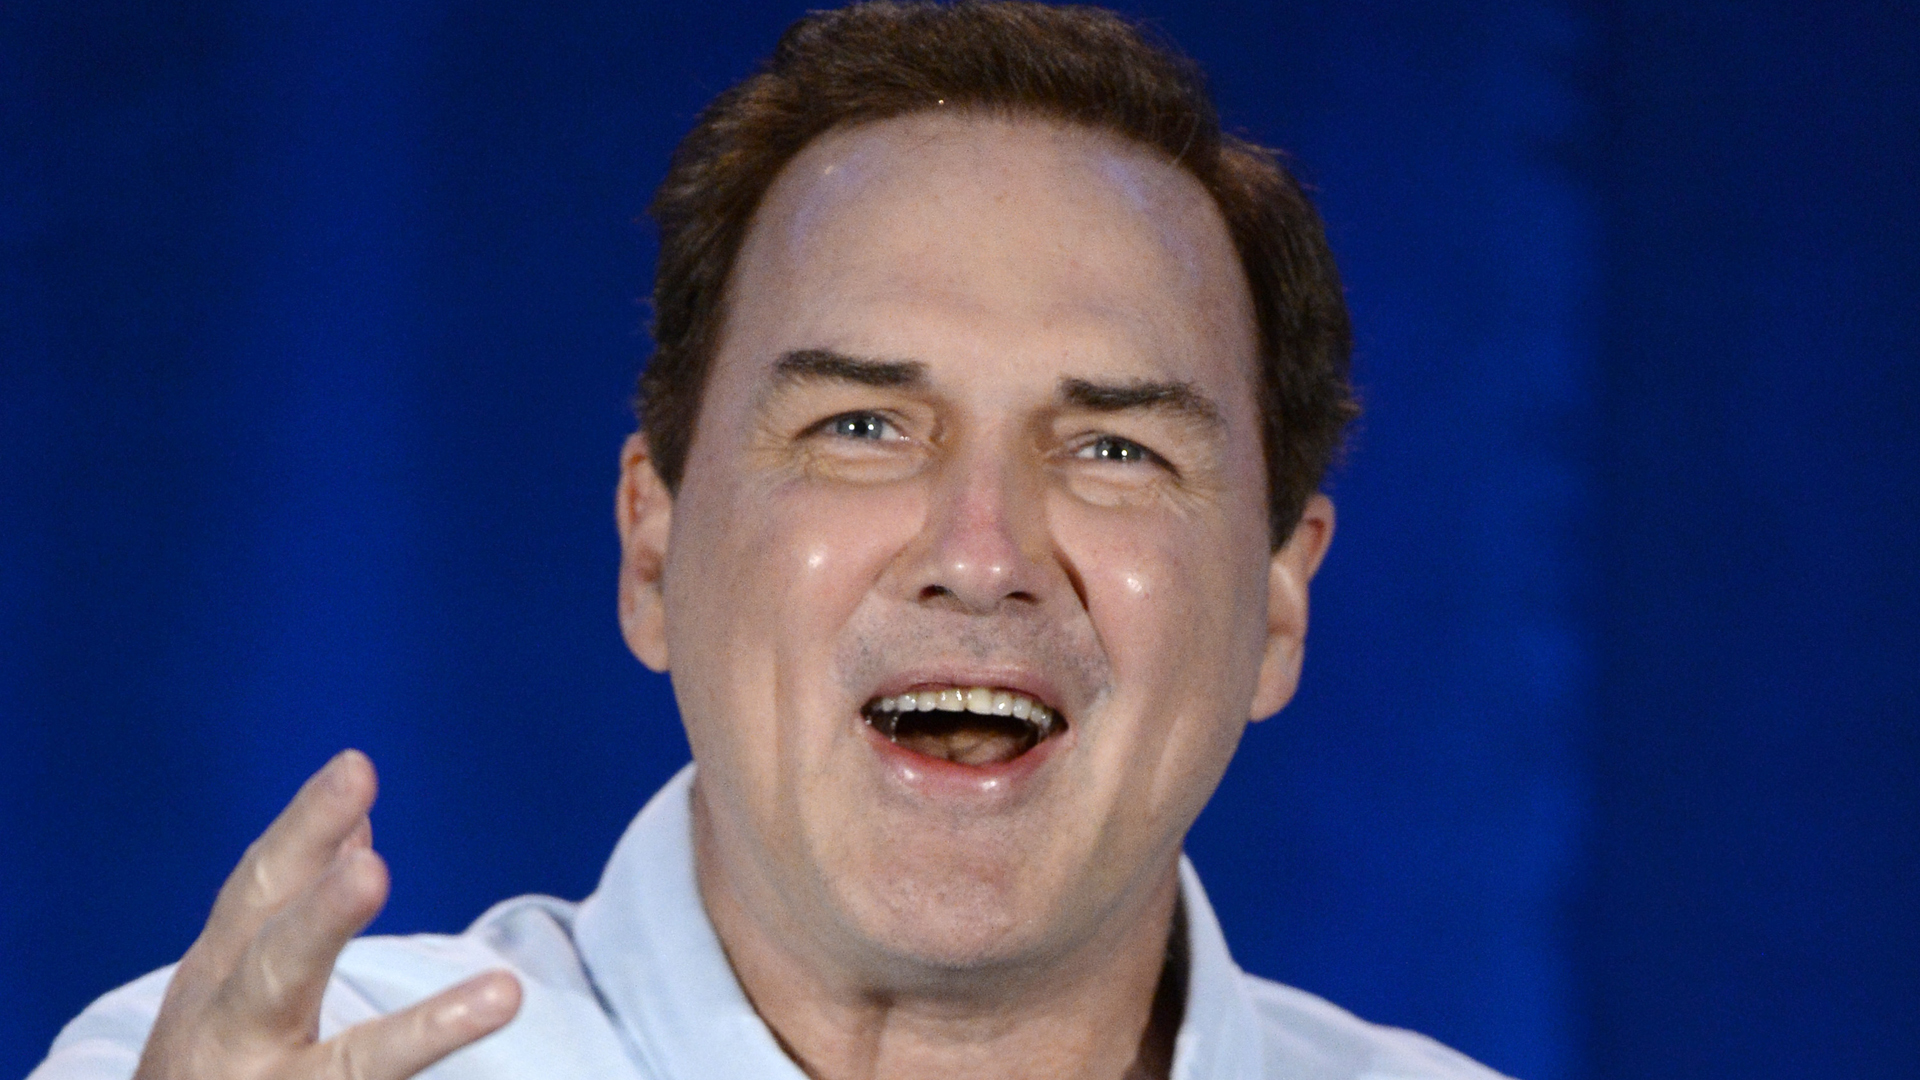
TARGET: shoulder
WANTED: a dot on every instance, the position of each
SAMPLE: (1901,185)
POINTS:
(1318,1039)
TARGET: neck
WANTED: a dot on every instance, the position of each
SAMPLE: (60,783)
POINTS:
(1108,1009)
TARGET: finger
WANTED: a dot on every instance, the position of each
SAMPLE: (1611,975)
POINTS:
(196,979)
(398,1046)
(275,989)
(295,850)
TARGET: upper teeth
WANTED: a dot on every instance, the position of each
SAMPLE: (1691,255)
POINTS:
(984,700)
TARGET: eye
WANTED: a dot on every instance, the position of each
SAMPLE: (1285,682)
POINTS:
(870,427)
(1117,450)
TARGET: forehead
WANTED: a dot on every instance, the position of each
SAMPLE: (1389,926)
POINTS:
(972,232)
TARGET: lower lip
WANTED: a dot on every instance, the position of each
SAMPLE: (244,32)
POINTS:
(943,780)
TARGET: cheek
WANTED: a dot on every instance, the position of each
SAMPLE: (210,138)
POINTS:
(1180,609)
(1170,607)
(829,545)
(764,578)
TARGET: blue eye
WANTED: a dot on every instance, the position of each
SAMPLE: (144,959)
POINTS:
(1115,449)
(862,425)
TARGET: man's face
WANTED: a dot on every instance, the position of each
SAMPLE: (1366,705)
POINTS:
(980,432)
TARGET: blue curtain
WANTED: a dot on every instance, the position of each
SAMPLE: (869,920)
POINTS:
(318,324)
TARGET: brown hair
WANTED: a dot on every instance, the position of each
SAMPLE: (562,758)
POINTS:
(1079,65)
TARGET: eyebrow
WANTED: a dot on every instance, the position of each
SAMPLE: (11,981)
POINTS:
(810,365)
(1180,398)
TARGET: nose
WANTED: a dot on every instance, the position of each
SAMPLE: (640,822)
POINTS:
(985,543)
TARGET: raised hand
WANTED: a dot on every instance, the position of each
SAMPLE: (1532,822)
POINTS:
(244,1003)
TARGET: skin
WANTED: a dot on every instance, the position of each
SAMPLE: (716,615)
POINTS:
(245,1000)
(900,475)
(1016,511)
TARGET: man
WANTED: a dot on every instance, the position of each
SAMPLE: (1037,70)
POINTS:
(973,518)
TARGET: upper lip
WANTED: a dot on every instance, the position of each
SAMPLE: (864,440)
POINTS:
(1019,680)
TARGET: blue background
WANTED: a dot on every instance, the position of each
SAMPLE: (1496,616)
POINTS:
(317,327)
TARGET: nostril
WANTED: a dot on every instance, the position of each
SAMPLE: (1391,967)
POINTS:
(936,592)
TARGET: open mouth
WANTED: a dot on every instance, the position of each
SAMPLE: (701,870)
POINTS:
(967,725)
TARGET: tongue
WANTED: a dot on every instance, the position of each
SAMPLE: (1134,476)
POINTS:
(966,745)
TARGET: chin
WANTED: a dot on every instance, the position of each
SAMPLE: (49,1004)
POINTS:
(943,943)
(951,909)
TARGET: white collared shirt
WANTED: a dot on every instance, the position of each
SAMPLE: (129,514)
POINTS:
(631,984)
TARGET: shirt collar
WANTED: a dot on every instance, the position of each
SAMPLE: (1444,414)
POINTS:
(648,946)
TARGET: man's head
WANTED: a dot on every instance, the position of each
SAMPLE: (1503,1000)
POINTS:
(986,420)
(1084,66)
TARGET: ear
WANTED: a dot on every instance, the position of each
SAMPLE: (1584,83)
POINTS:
(643,512)
(1289,573)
